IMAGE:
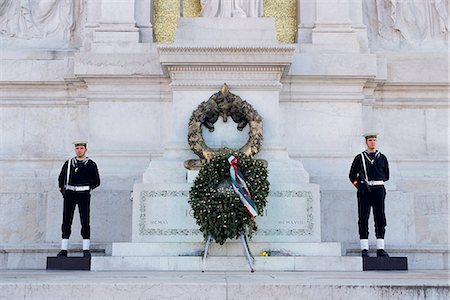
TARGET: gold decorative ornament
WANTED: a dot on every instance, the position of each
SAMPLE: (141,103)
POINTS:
(191,8)
(165,17)
(284,13)
(224,104)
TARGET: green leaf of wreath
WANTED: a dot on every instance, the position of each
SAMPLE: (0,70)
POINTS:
(217,208)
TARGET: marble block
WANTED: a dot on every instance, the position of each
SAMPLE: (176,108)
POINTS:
(213,31)
(230,248)
(161,213)
(235,263)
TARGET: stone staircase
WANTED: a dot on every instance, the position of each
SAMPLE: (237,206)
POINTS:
(227,257)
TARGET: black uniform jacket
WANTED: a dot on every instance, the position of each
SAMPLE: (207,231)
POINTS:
(376,164)
(81,173)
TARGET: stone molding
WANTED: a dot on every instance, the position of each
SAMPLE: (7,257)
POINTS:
(244,55)
(271,49)
(39,94)
(268,76)
(219,68)
(208,66)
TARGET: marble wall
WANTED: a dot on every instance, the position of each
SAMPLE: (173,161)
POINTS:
(116,95)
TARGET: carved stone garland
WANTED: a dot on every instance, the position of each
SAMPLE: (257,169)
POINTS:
(224,104)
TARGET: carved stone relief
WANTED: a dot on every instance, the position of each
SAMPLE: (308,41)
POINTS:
(39,19)
(231,8)
(410,23)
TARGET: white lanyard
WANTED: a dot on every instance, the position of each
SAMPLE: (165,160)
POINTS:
(68,172)
(364,166)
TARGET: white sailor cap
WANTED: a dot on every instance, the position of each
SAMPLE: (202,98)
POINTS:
(80,143)
(371,134)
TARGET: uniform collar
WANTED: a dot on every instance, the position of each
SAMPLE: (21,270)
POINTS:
(376,155)
(74,161)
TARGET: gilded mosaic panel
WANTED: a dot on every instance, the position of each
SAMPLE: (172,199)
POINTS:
(165,16)
(191,8)
(284,13)
(167,12)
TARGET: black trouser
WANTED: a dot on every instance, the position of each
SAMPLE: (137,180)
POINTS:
(71,199)
(373,198)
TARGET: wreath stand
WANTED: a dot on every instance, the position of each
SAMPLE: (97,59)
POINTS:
(224,104)
(244,245)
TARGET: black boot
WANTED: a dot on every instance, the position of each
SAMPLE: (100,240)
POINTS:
(86,253)
(62,253)
(382,253)
(365,253)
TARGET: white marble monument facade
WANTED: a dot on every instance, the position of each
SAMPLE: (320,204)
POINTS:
(90,69)
(255,62)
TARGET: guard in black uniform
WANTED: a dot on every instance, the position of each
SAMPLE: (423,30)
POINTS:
(369,171)
(79,175)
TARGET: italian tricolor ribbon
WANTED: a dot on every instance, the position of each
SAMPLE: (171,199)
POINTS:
(240,187)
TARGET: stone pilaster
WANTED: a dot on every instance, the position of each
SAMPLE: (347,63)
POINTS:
(356,15)
(306,16)
(117,22)
(143,13)
(333,27)
(93,13)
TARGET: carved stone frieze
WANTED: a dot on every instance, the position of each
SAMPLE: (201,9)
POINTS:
(236,65)
(235,75)
(410,24)
(34,19)
(227,49)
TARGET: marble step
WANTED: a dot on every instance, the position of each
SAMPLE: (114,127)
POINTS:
(226,263)
(227,249)
(75,285)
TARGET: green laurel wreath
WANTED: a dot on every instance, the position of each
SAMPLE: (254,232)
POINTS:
(217,208)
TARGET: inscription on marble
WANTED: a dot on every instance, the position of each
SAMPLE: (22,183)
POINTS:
(287,213)
(168,213)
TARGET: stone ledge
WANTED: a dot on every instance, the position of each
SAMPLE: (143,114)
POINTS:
(231,248)
(76,285)
(49,248)
(228,263)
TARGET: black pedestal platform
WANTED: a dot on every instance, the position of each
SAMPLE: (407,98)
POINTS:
(69,263)
(385,263)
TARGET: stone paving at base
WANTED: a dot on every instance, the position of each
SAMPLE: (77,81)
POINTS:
(40,284)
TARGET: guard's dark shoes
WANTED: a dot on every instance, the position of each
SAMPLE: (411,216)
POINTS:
(365,253)
(86,253)
(382,253)
(62,253)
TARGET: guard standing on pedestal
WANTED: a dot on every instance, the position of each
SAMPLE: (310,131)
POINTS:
(79,175)
(369,171)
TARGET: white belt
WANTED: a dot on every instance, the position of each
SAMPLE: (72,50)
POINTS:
(78,188)
(375,182)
